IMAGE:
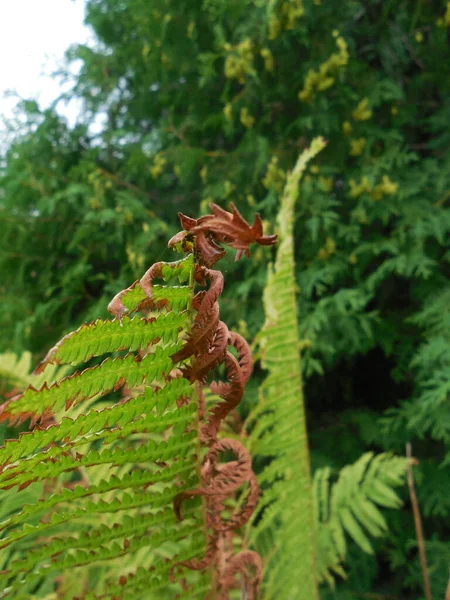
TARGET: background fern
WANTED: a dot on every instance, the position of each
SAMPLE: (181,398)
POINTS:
(351,506)
(302,545)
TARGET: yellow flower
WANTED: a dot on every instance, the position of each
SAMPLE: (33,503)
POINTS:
(158,165)
(284,16)
(324,84)
(445,20)
(347,128)
(239,61)
(419,37)
(357,146)
(292,11)
(356,189)
(268,59)
(386,187)
(246,118)
(362,112)
(389,186)
(274,27)
(319,81)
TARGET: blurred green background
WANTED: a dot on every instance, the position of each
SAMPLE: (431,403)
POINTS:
(212,101)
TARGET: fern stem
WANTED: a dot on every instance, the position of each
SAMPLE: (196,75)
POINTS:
(418,524)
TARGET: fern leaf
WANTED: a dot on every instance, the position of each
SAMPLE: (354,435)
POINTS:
(103,337)
(287,507)
(350,507)
(110,375)
(114,466)
(176,298)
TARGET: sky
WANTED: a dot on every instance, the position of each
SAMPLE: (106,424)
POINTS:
(34,35)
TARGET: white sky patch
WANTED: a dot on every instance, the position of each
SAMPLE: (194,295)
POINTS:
(34,34)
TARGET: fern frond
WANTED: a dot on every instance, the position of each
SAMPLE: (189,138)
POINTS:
(292,508)
(350,506)
(280,431)
(115,468)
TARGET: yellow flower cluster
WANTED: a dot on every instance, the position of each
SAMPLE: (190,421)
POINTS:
(158,165)
(357,146)
(268,59)
(246,118)
(285,17)
(327,250)
(445,20)
(239,61)
(318,81)
(274,177)
(385,188)
(362,112)
(356,189)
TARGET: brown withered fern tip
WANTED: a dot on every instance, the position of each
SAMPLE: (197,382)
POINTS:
(208,346)
(222,227)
